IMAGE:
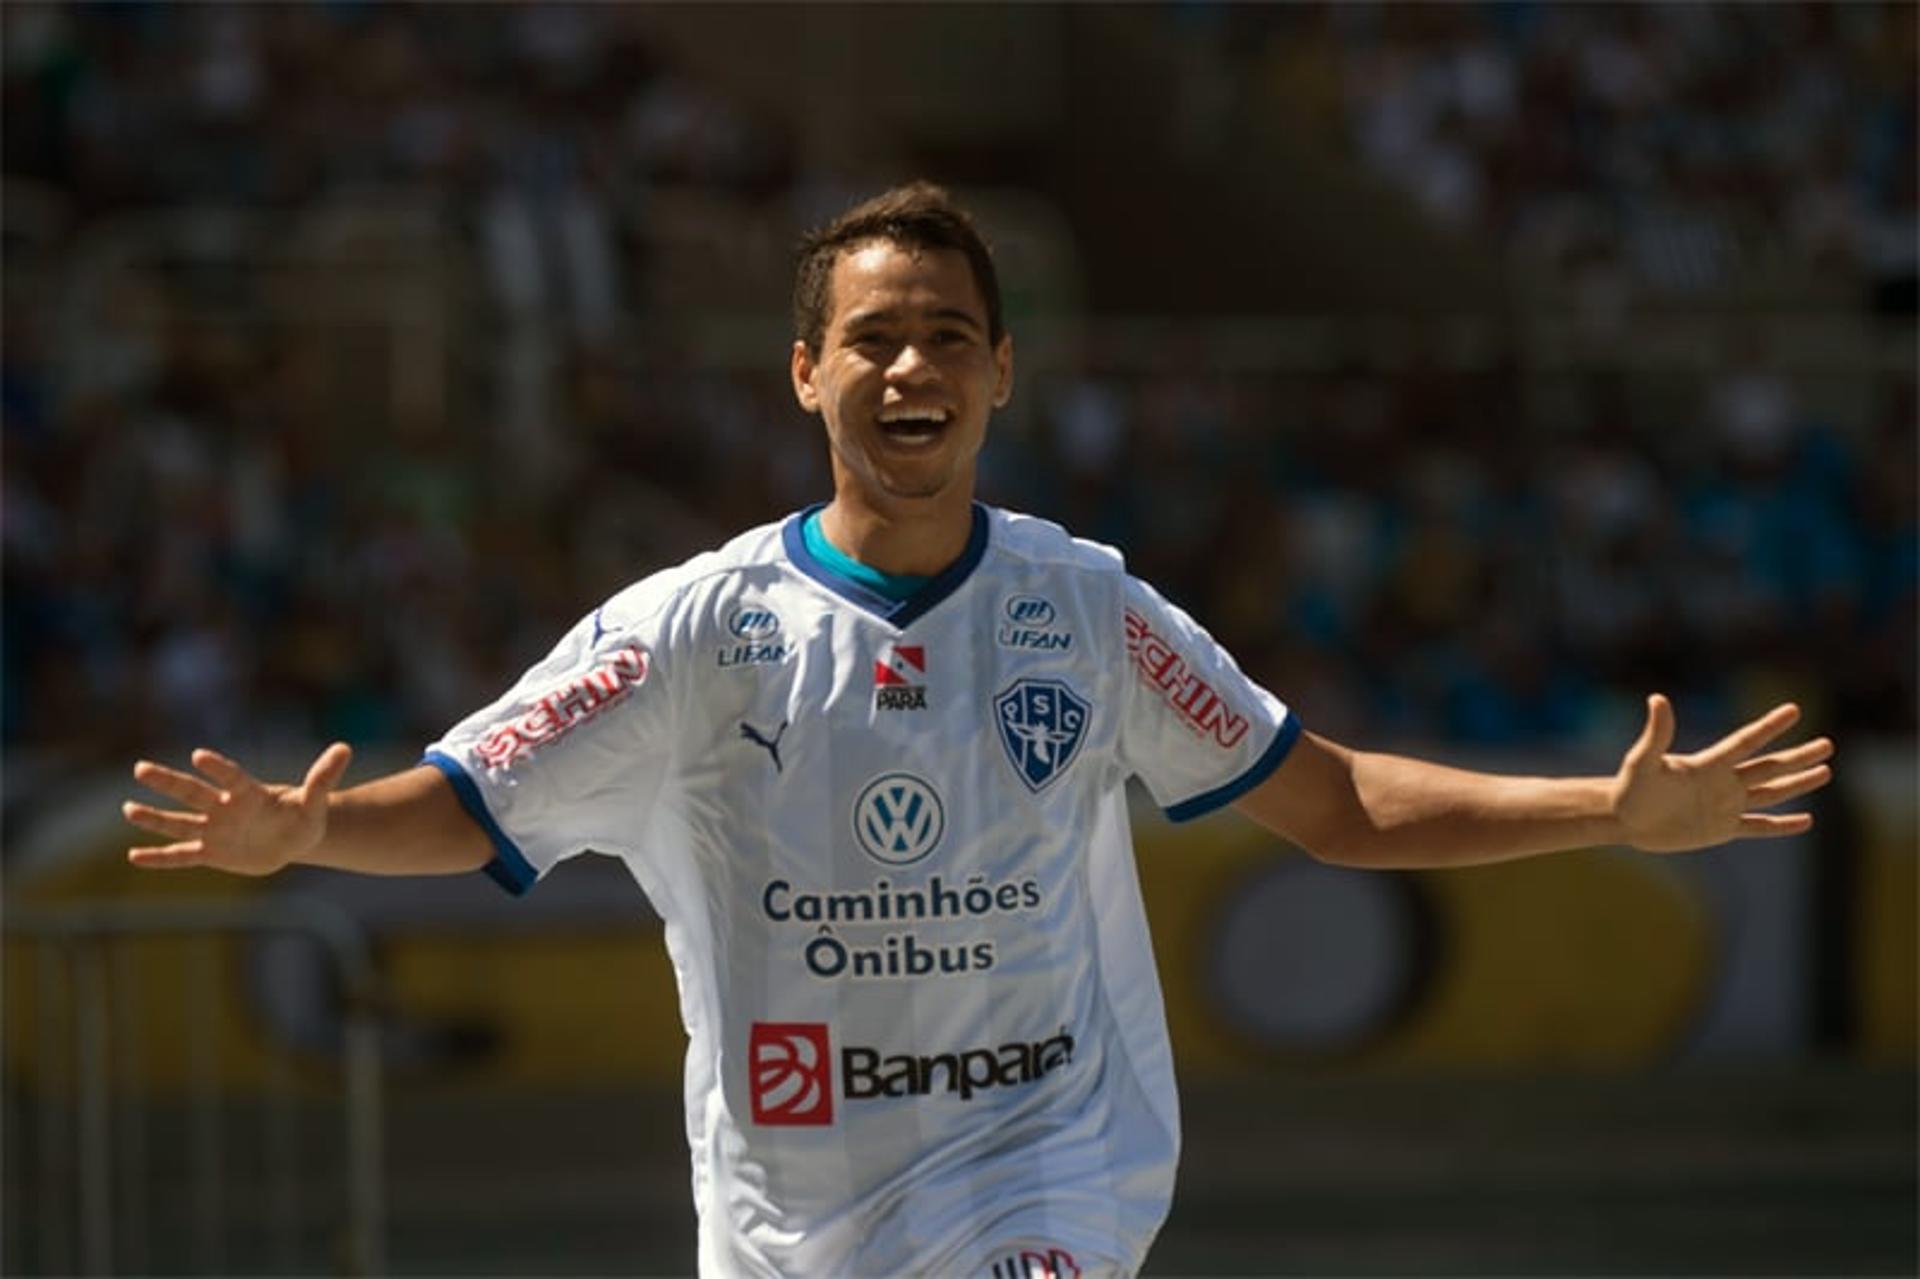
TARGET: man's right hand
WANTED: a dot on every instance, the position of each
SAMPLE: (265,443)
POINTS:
(235,821)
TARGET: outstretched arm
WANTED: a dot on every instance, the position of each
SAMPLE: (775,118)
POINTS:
(1358,808)
(408,823)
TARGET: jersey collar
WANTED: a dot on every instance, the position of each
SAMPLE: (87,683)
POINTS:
(899,612)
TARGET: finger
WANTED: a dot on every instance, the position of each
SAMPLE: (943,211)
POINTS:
(1768,767)
(1771,826)
(327,770)
(168,856)
(163,822)
(1792,787)
(1657,737)
(1750,737)
(175,784)
(223,770)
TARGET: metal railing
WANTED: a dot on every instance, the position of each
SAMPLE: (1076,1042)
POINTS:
(87,1184)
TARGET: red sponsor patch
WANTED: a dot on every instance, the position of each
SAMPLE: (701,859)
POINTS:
(1191,697)
(556,713)
(790,1073)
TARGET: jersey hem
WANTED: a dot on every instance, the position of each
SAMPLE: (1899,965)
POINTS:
(509,868)
(1262,768)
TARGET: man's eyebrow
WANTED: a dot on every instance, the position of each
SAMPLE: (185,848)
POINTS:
(890,315)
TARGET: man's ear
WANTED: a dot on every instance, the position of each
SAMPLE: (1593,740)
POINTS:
(801,365)
(1003,371)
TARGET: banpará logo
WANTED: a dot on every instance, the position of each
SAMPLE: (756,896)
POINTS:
(790,1071)
(1042,723)
(752,621)
(866,1072)
(898,819)
(792,1074)
(1029,625)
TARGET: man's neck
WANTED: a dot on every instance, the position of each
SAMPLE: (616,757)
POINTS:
(918,538)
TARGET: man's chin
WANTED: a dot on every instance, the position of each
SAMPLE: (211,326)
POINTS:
(909,486)
(916,492)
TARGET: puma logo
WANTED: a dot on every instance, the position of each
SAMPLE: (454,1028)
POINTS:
(754,735)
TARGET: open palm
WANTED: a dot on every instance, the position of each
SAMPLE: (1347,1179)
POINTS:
(1670,803)
(232,820)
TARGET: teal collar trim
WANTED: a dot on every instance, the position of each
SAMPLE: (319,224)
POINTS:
(894,586)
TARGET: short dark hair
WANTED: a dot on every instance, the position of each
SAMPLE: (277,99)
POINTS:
(918,215)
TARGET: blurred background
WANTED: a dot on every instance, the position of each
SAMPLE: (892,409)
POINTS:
(1470,370)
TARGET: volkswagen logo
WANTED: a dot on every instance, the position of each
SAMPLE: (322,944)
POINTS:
(898,819)
(1029,610)
(751,621)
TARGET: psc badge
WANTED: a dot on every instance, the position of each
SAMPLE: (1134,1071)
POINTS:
(1042,723)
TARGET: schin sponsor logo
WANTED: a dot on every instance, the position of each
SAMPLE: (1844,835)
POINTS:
(1193,699)
(557,712)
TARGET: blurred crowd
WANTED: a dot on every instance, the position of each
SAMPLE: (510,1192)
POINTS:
(198,547)
(1628,149)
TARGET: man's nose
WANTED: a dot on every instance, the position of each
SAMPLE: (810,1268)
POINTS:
(909,365)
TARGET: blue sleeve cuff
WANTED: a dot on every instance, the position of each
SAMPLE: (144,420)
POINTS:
(1220,796)
(509,868)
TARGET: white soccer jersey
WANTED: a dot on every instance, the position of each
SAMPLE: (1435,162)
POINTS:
(889,842)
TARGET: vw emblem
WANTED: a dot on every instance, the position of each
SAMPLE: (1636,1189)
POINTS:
(752,621)
(898,819)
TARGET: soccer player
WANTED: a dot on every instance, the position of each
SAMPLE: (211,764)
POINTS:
(869,763)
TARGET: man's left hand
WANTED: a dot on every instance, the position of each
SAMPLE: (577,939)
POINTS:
(1670,803)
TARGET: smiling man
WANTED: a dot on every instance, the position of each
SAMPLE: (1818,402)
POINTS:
(869,763)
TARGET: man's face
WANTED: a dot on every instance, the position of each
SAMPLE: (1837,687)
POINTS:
(906,373)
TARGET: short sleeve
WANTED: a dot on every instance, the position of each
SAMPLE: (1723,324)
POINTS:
(1197,731)
(572,757)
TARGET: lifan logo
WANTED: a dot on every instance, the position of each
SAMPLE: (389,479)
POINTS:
(792,1074)
(750,622)
(1029,610)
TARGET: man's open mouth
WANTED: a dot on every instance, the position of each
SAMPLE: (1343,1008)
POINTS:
(914,426)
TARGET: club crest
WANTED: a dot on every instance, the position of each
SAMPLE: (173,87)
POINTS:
(1042,723)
